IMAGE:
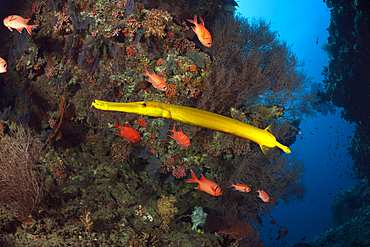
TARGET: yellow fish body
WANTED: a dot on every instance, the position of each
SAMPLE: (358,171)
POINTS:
(196,117)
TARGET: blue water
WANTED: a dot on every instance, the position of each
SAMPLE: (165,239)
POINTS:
(324,140)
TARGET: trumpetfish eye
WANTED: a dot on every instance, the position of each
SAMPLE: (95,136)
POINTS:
(143,104)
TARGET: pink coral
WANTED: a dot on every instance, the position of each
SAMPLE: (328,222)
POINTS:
(179,172)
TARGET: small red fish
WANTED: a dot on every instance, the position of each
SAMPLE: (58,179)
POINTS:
(240,187)
(3,65)
(157,81)
(127,132)
(180,137)
(203,34)
(206,185)
(263,195)
(282,233)
(18,22)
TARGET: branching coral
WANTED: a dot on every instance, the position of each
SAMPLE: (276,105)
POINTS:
(154,23)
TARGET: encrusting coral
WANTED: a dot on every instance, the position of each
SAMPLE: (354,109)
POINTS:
(154,23)
(120,150)
(167,210)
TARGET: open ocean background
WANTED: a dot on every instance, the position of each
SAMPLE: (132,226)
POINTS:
(324,140)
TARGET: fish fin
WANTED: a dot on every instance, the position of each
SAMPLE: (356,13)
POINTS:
(202,177)
(19,30)
(201,19)
(284,148)
(11,29)
(29,28)
(118,125)
(173,129)
(268,128)
(194,179)
(264,149)
(193,21)
(193,28)
(146,71)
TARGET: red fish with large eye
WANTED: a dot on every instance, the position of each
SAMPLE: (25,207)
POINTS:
(206,185)
(127,132)
(240,187)
(17,22)
(203,34)
(3,65)
(263,195)
(180,137)
(157,81)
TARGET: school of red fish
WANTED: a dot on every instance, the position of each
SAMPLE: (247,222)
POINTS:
(130,134)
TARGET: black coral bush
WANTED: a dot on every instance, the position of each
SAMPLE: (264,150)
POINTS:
(249,61)
(20,181)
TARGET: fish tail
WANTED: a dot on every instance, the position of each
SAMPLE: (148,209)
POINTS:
(173,129)
(264,149)
(231,184)
(30,27)
(201,20)
(118,125)
(146,71)
(194,179)
(193,21)
(284,148)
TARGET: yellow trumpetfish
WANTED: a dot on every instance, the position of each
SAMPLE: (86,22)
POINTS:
(196,117)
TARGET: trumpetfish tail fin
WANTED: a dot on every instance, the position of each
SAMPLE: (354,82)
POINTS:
(281,146)
(284,148)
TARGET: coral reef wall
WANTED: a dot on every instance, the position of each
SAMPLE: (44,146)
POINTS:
(91,184)
(346,82)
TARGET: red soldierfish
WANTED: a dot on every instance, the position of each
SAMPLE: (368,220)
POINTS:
(18,22)
(127,132)
(263,195)
(157,81)
(240,187)
(206,185)
(180,137)
(203,34)
(3,65)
